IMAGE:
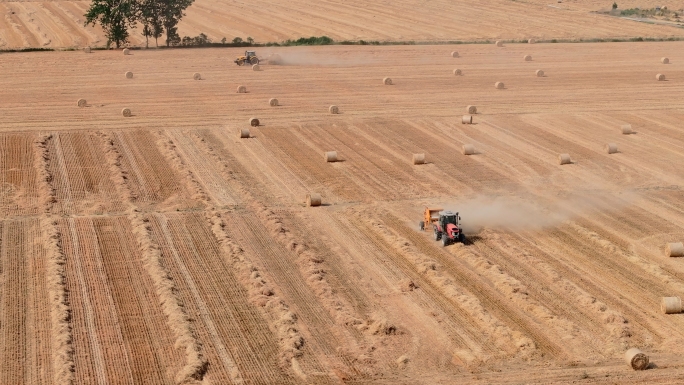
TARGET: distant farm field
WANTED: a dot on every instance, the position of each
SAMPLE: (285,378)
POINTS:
(59,24)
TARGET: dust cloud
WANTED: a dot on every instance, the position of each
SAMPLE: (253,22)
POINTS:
(516,214)
(300,56)
(504,213)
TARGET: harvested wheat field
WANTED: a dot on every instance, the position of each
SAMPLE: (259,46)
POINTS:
(59,23)
(164,248)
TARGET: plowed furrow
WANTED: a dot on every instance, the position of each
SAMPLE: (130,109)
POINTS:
(470,175)
(18,191)
(250,235)
(237,331)
(13,300)
(243,164)
(89,359)
(309,164)
(572,267)
(492,300)
(143,323)
(540,287)
(354,166)
(153,179)
(208,175)
(629,291)
(464,331)
(394,177)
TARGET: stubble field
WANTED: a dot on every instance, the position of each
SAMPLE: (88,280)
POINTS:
(60,23)
(162,248)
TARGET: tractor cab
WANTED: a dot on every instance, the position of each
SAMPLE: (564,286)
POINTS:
(448,229)
(448,217)
(250,57)
(445,225)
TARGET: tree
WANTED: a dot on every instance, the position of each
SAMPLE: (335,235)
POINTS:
(615,5)
(237,40)
(149,15)
(115,17)
(172,11)
(250,40)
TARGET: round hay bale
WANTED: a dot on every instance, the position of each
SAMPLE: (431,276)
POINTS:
(675,250)
(330,156)
(564,159)
(636,359)
(660,77)
(671,305)
(499,85)
(256,67)
(467,119)
(126,112)
(313,200)
(129,75)
(243,133)
(273,102)
(242,90)
(418,158)
(531,41)
(254,122)
(626,129)
(471,109)
(611,148)
(665,60)
(468,149)
(387,81)
(334,109)
(81,103)
(197,76)
(86,50)
(457,72)
(539,73)
(527,57)
(454,54)
(126,51)
(499,43)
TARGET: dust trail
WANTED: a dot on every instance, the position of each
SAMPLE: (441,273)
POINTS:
(518,214)
(300,56)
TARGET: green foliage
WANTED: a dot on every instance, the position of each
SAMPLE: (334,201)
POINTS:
(156,16)
(652,12)
(172,11)
(313,40)
(237,40)
(114,16)
(198,41)
(615,5)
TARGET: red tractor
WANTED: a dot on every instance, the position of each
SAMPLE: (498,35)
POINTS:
(444,225)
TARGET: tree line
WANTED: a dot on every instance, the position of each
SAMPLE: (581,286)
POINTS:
(156,17)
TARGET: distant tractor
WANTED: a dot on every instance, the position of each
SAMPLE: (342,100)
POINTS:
(250,57)
(444,225)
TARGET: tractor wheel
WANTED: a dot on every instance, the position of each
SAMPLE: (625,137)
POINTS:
(445,241)
(241,62)
(254,60)
(461,238)
(438,235)
(421,225)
